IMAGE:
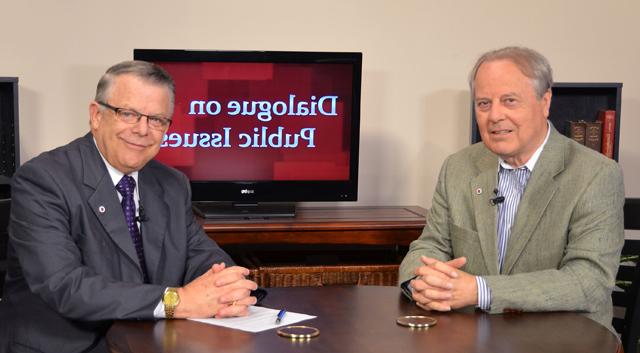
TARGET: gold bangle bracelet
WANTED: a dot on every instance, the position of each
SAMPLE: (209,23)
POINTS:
(298,332)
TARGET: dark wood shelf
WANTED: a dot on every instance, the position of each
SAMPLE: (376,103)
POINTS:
(9,139)
(392,225)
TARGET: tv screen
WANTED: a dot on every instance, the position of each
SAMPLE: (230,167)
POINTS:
(253,126)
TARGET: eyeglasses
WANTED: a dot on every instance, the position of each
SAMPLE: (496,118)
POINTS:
(131,116)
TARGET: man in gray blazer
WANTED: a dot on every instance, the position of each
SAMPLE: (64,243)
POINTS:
(527,220)
(85,250)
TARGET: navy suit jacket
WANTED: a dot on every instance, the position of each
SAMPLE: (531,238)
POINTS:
(72,266)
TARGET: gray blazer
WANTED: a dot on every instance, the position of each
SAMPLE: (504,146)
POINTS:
(72,264)
(564,248)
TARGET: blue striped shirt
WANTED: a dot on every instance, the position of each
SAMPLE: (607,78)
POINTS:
(511,184)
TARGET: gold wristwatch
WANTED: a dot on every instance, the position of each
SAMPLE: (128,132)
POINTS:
(170,299)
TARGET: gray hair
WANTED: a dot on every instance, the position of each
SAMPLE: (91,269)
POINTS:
(145,70)
(531,63)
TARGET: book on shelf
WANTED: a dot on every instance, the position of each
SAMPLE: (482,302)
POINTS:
(608,120)
(593,135)
(577,131)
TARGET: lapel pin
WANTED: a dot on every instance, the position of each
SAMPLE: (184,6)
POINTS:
(478,191)
(102,209)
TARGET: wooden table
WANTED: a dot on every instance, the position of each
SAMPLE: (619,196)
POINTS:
(362,319)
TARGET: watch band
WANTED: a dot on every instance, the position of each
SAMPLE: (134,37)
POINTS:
(170,299)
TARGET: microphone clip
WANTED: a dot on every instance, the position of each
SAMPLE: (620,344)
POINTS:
(141,215)
(496,200)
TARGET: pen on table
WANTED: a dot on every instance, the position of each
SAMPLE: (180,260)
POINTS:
(280,316)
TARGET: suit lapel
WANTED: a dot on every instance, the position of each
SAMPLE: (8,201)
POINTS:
(482,187)
(104,201)
(155,229)
(538,193)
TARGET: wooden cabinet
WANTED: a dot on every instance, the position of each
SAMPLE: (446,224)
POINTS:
(322,245)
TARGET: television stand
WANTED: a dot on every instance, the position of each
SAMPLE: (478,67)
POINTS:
(322,245)
(227,210)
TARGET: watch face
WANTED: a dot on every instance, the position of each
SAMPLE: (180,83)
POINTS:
(171,298)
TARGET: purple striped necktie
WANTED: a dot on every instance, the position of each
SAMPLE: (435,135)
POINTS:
(125,187)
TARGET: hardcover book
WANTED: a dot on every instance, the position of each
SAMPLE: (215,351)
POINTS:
(608,120)
(577,131)
(593,135)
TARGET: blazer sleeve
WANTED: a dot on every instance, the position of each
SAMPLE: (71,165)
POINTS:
(434,241)
(202,251)
(586,275)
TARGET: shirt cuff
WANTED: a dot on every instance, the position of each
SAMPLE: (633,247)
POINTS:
(484,294)
(158,312)
(406,288)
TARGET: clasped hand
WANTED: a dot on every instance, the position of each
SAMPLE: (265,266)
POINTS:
(442,286)
(220,292)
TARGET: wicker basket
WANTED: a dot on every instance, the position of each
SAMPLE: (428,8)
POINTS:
(296,276)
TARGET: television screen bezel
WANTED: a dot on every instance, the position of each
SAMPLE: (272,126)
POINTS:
(247,191)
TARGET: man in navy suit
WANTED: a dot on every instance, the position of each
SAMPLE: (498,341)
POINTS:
(83,252)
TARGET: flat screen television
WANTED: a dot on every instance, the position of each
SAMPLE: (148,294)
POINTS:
(258,131)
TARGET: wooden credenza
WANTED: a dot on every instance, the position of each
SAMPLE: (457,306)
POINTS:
(322,245)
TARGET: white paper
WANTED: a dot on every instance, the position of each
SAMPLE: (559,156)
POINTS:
(259,319)
(632,234)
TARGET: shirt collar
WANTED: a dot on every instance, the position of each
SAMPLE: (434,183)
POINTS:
(115,174)
(534,158)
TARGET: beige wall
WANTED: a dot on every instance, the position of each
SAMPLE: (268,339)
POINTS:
(415,102)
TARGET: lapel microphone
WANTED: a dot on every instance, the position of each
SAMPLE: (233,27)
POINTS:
(494,201)
(142,217)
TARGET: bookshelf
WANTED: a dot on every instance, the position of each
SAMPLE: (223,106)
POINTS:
(9,139)
(576,101)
